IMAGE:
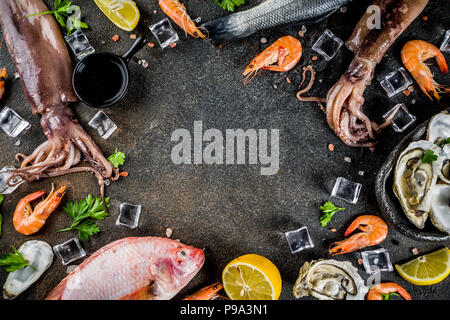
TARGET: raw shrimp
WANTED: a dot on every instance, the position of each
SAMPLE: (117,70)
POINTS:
(28,221)
(2,81)
(378,290)
(414,55)
(207,293)
(281,56)
(374,230)
(177,12)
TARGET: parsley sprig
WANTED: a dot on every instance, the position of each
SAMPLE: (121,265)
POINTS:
(444,142)
(1,217)
(229,4)
(84,213)
(117,159)
(329,210)
(67,14)
(429,157)
(14,261)
(389,296)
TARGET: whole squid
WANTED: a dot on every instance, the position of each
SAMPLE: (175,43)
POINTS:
(345,99)
(42,60)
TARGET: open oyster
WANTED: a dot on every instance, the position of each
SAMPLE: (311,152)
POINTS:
(414,180)
(38,254)
(438,130)
(330,280)
(440,207)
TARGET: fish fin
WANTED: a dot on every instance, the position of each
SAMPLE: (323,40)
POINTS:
(229,28)
(146,293)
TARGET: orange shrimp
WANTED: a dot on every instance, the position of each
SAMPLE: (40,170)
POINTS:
(281,56)
(414,53)
(2,81)
(28,221)
(378,290)
(207,293)
(177,12)
(374,230)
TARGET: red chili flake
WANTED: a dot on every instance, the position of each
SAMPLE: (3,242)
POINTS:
(425,18)
(333,230)
(123,174)
(415,251)
(314,58)
(132,36)
(151,44)
(331,147)
(360,261)
(406,92)
(115,38)
(173,45)
(288,80)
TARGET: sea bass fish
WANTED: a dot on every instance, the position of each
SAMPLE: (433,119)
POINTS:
(141,268)
(269,14)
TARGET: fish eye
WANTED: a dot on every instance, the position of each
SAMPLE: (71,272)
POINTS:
(251,66)
(182,254)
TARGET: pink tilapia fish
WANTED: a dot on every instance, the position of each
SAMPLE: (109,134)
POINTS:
(140,268)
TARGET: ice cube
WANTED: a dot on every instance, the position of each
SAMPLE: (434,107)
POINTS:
(346,190)
(445,46)
(402,119)
(13,124)
(396,81)
(69,251)
(328,45)
(376,261)
(164,33)
(103,124)
(129,215)
(5,188)
(299,240)
(79,44)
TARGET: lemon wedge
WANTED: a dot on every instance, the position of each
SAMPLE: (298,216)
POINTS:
(123,13)
(252,277)
(428,269)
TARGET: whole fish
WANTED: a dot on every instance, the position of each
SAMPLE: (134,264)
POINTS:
(141,268)
(269,14)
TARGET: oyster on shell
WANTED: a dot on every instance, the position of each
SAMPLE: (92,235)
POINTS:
(330,280)
(438,130)
(414,180)
(440,207)
(39,254)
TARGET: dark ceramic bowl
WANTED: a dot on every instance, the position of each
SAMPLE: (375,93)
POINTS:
(389,204)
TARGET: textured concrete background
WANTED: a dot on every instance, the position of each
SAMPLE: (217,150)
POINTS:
(229,210)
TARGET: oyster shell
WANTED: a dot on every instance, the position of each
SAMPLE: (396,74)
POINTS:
(38,254)
(330,280)
(414,180)
(439,129)
(440,207)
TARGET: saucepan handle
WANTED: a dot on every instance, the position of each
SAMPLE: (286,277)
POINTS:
(137,45)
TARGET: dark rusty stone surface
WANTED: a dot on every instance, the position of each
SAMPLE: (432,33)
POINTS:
(228,210)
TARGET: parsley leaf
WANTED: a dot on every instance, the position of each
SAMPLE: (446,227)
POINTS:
(229,4)
(389,296)
(329,210)
(1,217)
(429,157)
(14,261)
(444,142)
(67,15)
(117,159)
(84,213)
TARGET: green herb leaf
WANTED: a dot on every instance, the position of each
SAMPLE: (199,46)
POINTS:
(84,213)
(14,261)
(444,142)
(229,4)
(329,210)
(117,159)
(67,15)
(389,296)
(429,157)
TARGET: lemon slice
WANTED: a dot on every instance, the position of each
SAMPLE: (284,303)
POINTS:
(252,277)
(123,13)
(428,269)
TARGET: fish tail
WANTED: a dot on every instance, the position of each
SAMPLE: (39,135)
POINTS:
(224,29)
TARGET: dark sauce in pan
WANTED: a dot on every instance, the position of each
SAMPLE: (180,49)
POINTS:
(100,79)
